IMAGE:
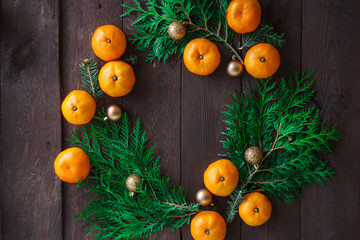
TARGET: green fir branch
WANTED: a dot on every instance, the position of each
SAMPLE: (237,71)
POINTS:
(131,59)
(89,72)
(235,199)
(117,150)
(203,19)
(265,33)
(267,118)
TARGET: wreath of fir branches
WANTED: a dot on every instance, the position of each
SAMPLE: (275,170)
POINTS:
(202,18)
(274,116)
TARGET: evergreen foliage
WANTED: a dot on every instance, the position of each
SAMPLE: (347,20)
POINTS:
(277,119)
(203,19)
(117,150)
(131,59)
(265,33)
(89,72)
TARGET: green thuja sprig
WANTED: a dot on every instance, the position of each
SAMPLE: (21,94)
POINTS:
(117,150)
(202,18)
(265,33)
(277,119)
(131,59)
(89,72)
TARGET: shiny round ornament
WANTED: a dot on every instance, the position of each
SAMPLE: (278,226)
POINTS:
(253,155)
(176,30)
(204,197)
(132,182)
(234,68)
(114,113)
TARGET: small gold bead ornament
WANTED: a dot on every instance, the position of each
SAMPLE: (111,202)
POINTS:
(253,155)
(234,68)
(114,113)
(204,197)
(176,30)
(132,182)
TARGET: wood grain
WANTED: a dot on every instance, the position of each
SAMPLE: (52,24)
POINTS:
(203,100)
(332,47)
(286,17)
(30,120)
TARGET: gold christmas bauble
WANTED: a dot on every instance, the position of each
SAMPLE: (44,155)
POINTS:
(234,68)
(114,112)
(204,197)
(176,30)
(132,182)
(253,155)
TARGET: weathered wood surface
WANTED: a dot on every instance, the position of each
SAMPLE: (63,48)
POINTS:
(42,43)
(330,45)
(31,200)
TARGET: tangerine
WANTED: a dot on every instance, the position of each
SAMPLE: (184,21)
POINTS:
(108,42)
(78,107)
(255,209)
(201,56)
(116,78)
(72,165)
(221,177)
(262,60)
(243,16)
(208,225)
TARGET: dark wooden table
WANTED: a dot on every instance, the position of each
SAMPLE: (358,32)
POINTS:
(42,43)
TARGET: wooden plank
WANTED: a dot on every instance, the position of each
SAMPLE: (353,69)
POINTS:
(332,47)
(286,17)
(1,47)
(30,120)
(79,21)
(156,100)
(203,100)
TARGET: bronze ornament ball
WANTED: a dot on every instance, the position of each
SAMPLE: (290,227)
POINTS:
(176,30)
(132,182)
(204,197)
(114,112)
(234,68)
(253,155)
